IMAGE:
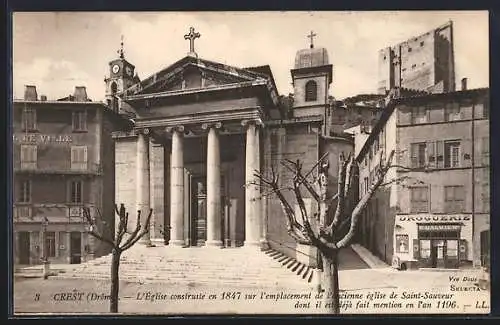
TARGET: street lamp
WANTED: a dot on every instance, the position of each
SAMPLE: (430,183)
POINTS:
(45,259)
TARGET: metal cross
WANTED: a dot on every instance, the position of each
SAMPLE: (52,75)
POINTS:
(191,37)
(311,36)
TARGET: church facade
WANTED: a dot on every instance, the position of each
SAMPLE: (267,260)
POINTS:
(199,130)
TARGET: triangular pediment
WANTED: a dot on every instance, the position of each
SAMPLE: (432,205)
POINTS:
(193,73)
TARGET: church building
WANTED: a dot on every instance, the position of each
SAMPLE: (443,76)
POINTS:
(200,129)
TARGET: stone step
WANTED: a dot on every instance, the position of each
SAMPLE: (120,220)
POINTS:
(200,265)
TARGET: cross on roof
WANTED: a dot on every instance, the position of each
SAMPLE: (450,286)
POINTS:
(311,36)
(191,37)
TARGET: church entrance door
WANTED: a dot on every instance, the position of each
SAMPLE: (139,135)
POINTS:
(198,218)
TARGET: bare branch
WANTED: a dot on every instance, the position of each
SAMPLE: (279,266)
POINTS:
(122,229)
(303,179)
(362,203)
(299,238)
(136,230)
(101,238)
(340,193)
(316,164)
(137,237)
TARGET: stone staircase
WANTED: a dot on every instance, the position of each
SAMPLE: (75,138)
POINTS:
(242,267)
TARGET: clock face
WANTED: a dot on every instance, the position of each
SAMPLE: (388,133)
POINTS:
(116,68)
(128,70)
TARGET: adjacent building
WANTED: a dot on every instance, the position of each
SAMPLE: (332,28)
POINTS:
(63,161)
(434,211)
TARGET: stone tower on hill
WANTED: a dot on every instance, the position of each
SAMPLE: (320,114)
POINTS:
(425,63)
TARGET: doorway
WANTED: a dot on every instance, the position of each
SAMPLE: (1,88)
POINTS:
(438,253)
(24,247)
(198,219)
(438,245)
(75,247)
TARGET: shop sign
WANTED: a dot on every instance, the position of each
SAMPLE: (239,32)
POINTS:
(42,138)
(438,227)
(436,218)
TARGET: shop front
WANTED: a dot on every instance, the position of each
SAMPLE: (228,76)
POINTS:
(432,241)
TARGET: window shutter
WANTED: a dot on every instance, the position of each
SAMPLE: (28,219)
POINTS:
(440,154)
(465,158)
(73,155)
(23,153)
(414,155)
(403,156)
(84,152)
(416,249)
(431,154)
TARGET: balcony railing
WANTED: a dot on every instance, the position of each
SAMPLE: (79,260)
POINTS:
(57,212)
(78,168)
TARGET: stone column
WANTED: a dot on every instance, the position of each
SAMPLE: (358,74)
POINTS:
(214,207)
(157,156)
(177,187)
(143,181)
(265,200)
(253,210)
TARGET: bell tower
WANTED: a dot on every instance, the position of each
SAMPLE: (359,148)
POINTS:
(121,76)
(311,77)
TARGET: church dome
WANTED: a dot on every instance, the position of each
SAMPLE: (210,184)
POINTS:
(311,57)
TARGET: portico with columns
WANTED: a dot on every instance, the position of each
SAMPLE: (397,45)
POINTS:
(199,130)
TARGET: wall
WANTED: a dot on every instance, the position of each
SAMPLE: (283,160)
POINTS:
(125,176)
(385,70)
(417,62)
(445,65)
(295,141)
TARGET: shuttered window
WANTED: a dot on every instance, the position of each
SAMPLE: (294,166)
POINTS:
(80,121)
(28,156)
(418,155)
(419,197)
(79,158)
(452,154)
(454,198)
(24,192)
(28,119)
(75,191)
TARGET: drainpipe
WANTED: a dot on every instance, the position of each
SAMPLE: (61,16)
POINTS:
(473,172)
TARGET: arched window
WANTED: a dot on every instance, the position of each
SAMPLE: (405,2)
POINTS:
(311,91)
(114,88)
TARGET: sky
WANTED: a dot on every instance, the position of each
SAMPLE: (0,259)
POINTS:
(57,51)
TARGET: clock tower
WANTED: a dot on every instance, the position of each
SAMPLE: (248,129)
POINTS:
(121,76)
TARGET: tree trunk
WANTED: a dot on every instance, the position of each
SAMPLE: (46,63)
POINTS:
(330,282)
(115,281)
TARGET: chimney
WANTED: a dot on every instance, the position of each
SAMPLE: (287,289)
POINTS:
(30,93)
(43,98)
(464,84)
(80,94)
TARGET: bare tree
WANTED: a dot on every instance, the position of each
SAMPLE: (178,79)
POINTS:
(116,243)
(328,236)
